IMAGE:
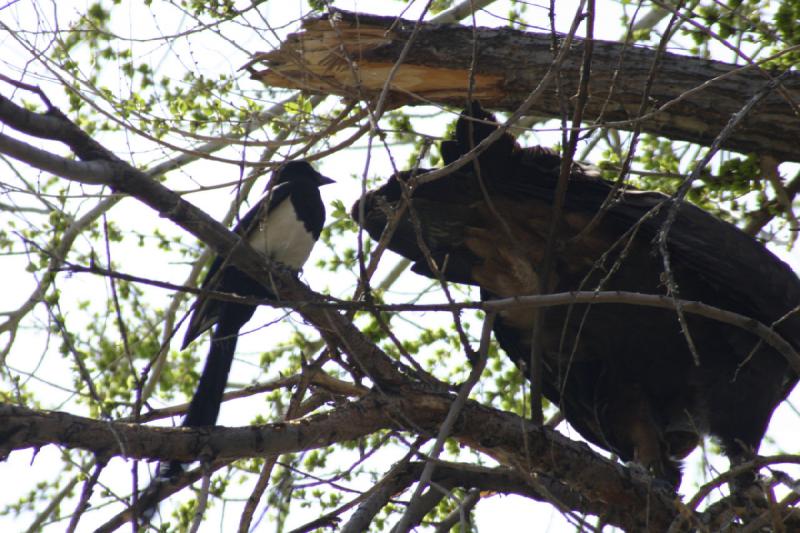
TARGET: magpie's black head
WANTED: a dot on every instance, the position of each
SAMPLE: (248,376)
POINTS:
(301,170)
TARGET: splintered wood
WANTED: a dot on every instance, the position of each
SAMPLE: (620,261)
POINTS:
(354,55)
(334,56)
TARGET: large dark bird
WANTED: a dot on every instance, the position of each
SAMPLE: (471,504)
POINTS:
(623,375)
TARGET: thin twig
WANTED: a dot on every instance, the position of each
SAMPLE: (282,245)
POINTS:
(446,427)
(683,190)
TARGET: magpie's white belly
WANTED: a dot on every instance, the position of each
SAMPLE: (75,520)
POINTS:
(283,237)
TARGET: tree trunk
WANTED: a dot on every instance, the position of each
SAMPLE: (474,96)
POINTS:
(691,99)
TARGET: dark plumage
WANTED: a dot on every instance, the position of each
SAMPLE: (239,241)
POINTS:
(623,375)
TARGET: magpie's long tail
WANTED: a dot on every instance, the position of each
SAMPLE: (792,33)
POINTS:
(204,407)
(205,404)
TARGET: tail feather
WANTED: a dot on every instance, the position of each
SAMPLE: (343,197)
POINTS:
(205,404)
(204,407)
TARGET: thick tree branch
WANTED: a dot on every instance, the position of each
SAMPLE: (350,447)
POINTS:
(511,440)
(88,172)
(691,98)
(27,428)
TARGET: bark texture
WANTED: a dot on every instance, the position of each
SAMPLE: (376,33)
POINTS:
(692,99)
(558,467)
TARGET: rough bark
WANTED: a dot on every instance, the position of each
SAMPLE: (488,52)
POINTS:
(351,55)
(584,481)
(26,428)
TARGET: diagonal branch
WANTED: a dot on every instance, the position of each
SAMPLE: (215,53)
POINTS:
(122,177)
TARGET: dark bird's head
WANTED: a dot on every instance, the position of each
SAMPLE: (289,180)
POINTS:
(474,125)
(301,170)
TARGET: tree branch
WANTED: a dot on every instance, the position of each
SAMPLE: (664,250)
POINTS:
(122,177)
(691,97)
(509,439)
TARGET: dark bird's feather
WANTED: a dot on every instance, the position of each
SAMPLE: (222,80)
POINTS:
(623,375)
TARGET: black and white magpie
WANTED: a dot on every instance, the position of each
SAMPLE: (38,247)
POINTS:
(283,225)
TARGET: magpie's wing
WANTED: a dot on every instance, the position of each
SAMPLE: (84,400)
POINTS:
(223,278)
(270,200)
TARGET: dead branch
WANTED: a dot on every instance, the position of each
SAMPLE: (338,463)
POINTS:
(691,98)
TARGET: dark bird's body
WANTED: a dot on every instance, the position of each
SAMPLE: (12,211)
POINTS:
(284,226)
(623,375)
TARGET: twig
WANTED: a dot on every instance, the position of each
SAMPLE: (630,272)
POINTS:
(52,505)
(397,479)
(559,196)
(680,194)
(767,333)
(445,429)
(637,128)
(202,500)
(460,515)
(86,494)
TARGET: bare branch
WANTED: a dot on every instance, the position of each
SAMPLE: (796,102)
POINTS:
(508,438)
(692,98)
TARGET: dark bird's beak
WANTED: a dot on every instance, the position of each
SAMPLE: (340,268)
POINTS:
(324,180)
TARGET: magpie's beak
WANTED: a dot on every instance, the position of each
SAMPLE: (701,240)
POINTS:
(324,180)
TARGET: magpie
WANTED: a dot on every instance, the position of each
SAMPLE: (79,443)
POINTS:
(283,225)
